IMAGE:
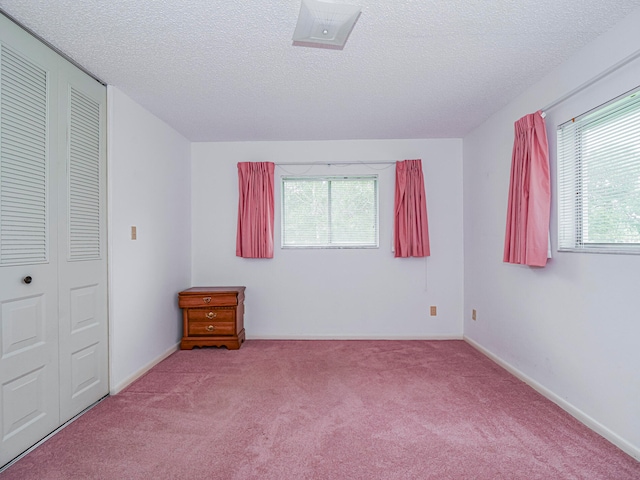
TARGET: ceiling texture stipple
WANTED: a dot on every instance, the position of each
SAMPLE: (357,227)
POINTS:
(227,70)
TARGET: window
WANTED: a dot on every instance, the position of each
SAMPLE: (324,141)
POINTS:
(330,212)
(599,179)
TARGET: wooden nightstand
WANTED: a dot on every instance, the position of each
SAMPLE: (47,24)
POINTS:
(212,316)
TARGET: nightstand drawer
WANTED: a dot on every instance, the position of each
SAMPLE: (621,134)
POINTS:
(205,300)
(211,328)
(211,315)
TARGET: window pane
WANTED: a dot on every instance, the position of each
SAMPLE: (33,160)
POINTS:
(611,183)
(353,212)
(330,212)
(306,206)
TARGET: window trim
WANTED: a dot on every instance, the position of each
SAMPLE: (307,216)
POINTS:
(329,178)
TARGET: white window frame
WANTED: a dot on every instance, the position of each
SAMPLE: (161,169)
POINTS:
(572,182)
(330,178)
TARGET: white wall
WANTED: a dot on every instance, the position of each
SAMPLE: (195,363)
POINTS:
(571,328)
(149,187)
(346,293)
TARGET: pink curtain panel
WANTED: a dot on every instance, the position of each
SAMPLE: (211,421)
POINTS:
(527,231)
(411,229)
(254,237)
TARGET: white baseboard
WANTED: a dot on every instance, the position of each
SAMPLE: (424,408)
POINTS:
(353,337)
(115,389)
(594,425)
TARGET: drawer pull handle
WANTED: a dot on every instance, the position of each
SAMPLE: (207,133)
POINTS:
(210,328)
(211,315)
(206,299)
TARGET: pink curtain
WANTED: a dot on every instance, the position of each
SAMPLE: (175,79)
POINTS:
(255,210)
(527,232)
(411,229)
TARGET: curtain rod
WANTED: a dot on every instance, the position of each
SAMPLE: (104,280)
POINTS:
(590,82)
(385,162)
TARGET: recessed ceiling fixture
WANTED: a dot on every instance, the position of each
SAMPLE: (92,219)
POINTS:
(324,24)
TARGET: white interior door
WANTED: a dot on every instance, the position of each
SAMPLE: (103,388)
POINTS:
(29,392)
(82,249)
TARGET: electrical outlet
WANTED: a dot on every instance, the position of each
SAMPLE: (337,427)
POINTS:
(134,233)
(473,314)
(433,311)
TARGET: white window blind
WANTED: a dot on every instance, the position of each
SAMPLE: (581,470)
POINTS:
(330,212)
(599,178)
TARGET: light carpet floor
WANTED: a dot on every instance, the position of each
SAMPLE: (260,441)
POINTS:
(327,410)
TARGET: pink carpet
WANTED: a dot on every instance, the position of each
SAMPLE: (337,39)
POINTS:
(327,410)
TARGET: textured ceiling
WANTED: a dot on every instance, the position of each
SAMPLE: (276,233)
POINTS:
(226,70)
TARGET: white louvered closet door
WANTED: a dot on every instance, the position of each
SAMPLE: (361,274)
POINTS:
(82,249)
(53,291)
(29,392)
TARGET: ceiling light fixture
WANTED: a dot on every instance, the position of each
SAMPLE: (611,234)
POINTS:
(324,24)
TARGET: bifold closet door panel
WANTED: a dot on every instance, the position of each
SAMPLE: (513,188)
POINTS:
(29,392)
(82,260)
